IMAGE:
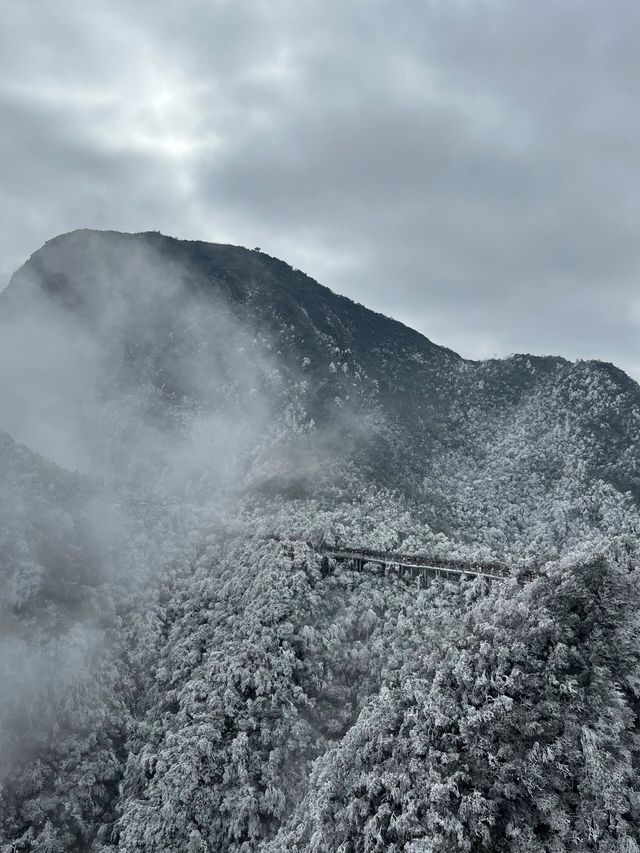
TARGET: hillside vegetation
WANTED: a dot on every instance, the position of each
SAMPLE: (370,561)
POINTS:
(179,420)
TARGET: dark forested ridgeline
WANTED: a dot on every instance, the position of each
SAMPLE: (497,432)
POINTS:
(168,329)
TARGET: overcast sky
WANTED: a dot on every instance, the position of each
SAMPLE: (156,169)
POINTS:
(470,168)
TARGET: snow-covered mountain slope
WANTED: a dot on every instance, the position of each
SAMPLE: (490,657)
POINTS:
(175,680)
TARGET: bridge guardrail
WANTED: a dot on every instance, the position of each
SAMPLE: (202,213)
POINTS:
(418,567)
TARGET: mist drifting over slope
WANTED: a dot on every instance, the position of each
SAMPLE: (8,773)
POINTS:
(133,377)
(182,426)
(127,361)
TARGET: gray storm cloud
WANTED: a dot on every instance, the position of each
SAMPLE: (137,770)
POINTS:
(468,167)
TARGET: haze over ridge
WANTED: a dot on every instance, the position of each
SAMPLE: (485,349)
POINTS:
(167,324)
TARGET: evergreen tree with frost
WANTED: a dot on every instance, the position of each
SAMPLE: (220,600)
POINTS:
(517,732)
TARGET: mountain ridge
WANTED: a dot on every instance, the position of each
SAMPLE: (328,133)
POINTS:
(227,254)
(283,346)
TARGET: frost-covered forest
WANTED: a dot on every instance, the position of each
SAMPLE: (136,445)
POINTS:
(183,670)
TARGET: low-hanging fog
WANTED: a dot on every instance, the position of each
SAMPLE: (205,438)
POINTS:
(133,366)
(144,388)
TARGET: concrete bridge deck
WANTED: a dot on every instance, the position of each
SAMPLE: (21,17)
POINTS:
(412,567)
(415,568)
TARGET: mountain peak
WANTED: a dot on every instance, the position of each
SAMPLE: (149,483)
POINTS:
(195,324)
(79,258)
